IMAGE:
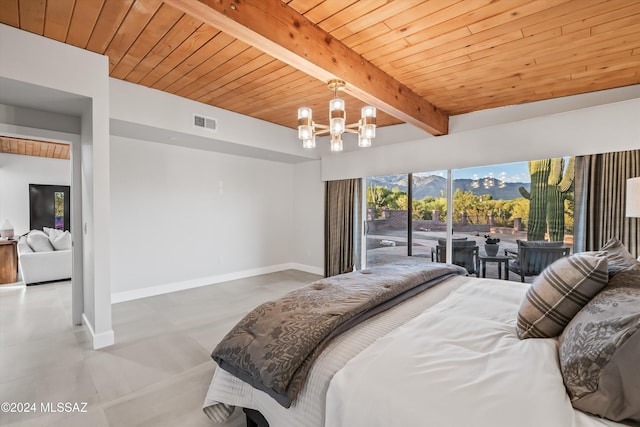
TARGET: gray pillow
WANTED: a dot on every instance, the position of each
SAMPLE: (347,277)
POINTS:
(559,293)
(39,242)
(600,351)
(618,256)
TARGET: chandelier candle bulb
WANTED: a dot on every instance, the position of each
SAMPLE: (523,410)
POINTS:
(337,116)
(364,142)
(336,143)
(305,124)
(368,123)
(369,111)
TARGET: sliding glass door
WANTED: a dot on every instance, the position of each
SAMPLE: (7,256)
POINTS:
(516,201)
(386,218)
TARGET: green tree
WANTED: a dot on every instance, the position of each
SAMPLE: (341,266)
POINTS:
(423,208)
(377,198)
(520,210)
(476,207)
(402,202)
(397,200)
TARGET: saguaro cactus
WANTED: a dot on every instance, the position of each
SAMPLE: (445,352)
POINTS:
(539,171)
(549,188)
(557,190)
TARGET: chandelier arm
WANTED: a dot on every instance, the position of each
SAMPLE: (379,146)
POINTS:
(351,130)
(353,126)
(322,132)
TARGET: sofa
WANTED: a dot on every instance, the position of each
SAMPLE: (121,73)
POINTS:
(44,256)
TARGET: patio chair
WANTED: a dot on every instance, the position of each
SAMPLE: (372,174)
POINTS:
(533,257)
(465,254)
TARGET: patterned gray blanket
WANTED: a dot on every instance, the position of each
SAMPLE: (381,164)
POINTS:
(272,348)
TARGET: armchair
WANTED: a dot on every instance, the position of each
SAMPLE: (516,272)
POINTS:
(533,257)
(465,254)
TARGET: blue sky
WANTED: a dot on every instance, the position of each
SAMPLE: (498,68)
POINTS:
(509,172)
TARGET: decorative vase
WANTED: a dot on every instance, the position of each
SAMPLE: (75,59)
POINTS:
(491,249)
(6,230)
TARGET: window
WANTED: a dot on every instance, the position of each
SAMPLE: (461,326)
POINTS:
(514,201)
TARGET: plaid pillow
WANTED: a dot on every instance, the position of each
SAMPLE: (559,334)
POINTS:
(559,293)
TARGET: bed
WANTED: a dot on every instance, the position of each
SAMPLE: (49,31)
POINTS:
(448,356)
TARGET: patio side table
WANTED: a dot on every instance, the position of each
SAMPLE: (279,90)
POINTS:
(501,260)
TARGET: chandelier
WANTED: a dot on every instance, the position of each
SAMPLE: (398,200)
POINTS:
(308,129)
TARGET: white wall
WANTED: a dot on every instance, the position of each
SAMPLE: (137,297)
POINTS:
(16,173)
(609,127)
(30,117)
(150,107)
(36,61)
(308,217)
(183,217)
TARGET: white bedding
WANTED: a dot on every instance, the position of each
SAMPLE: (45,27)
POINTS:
(455,362)
(459,363)
(309,408)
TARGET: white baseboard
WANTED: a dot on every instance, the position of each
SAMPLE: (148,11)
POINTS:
(307,268)
(101,340)
(166,288)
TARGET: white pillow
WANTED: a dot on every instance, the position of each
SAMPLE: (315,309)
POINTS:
(62,241)
(23,246)
(53,233)
(47,230)
(39,242)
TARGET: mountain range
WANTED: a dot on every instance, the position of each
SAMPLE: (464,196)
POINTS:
(436,186)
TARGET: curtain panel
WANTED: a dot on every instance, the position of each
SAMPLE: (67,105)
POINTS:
(342,219)
(602,200)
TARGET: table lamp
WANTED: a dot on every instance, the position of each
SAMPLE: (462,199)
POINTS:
(633,198)
(6,230)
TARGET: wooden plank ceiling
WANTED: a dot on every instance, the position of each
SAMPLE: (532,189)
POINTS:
(458,55)
(28,147)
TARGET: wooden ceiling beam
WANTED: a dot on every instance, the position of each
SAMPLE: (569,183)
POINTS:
(278,30)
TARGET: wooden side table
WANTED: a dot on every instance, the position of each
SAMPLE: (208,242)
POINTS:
(8,261)
(500,259)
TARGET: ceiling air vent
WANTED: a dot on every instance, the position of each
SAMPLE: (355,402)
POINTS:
(205,122)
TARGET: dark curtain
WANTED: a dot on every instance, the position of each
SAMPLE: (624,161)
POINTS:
(342,218)
(600,200)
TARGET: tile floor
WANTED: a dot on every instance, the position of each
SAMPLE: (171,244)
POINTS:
(156,374)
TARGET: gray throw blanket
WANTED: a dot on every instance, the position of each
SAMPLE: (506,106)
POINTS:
(273,347)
